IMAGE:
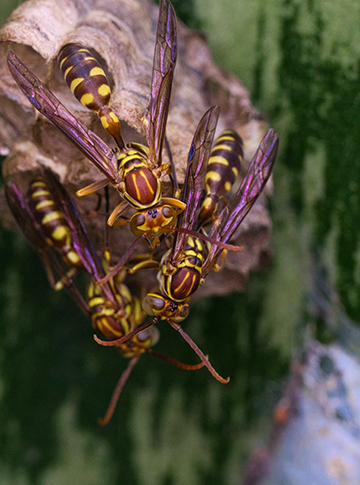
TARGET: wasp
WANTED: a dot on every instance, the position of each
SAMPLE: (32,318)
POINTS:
(44,217)
(112,309)
(223,169)
(133,169)
(188,263)
(115,317)
(89,84)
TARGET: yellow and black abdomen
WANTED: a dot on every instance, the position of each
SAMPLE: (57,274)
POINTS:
(104,314)
(115,320)
(52,221)
(223,168)
(89,84)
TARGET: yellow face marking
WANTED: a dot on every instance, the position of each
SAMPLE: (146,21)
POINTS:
(218,159)
(96,71)
(86,99)
(213,176)
(104,89)
(75,83)
(59,233)
(52,216)
(165,223)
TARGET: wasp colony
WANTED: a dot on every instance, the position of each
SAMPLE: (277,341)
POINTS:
(161,194)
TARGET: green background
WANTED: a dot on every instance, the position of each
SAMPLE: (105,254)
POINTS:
(300,60)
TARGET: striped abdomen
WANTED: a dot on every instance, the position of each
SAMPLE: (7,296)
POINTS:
(223,168)
(115,321)
(108,318)
(186,278)
(52,221)
(88,82)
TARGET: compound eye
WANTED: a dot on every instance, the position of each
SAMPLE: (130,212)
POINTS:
(136,222)
(138,219)
(151,335)
(153,303)
(184,312)
(167,212)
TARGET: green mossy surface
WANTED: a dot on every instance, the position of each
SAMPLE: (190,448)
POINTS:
(300,60)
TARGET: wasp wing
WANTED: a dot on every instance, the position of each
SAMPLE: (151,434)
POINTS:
(97,151)
(54,266)
(80,238)
(251,187)
(156,114)
(195,175)
(26,220)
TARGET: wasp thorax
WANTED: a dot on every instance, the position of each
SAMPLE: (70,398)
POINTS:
(142,186)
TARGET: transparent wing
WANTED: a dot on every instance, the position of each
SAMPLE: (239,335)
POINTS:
(25,219)
(54,266)
(98,152)
(195,175)
(80,238)
(251,187)
(162,75)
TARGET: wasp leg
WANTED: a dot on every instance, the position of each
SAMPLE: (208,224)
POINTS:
(94,187)
(116,213)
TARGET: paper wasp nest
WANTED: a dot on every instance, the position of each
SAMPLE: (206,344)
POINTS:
(122,34)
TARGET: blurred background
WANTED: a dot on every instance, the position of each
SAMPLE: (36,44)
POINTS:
(300,61)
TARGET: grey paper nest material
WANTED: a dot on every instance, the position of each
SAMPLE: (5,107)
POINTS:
(123,34)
